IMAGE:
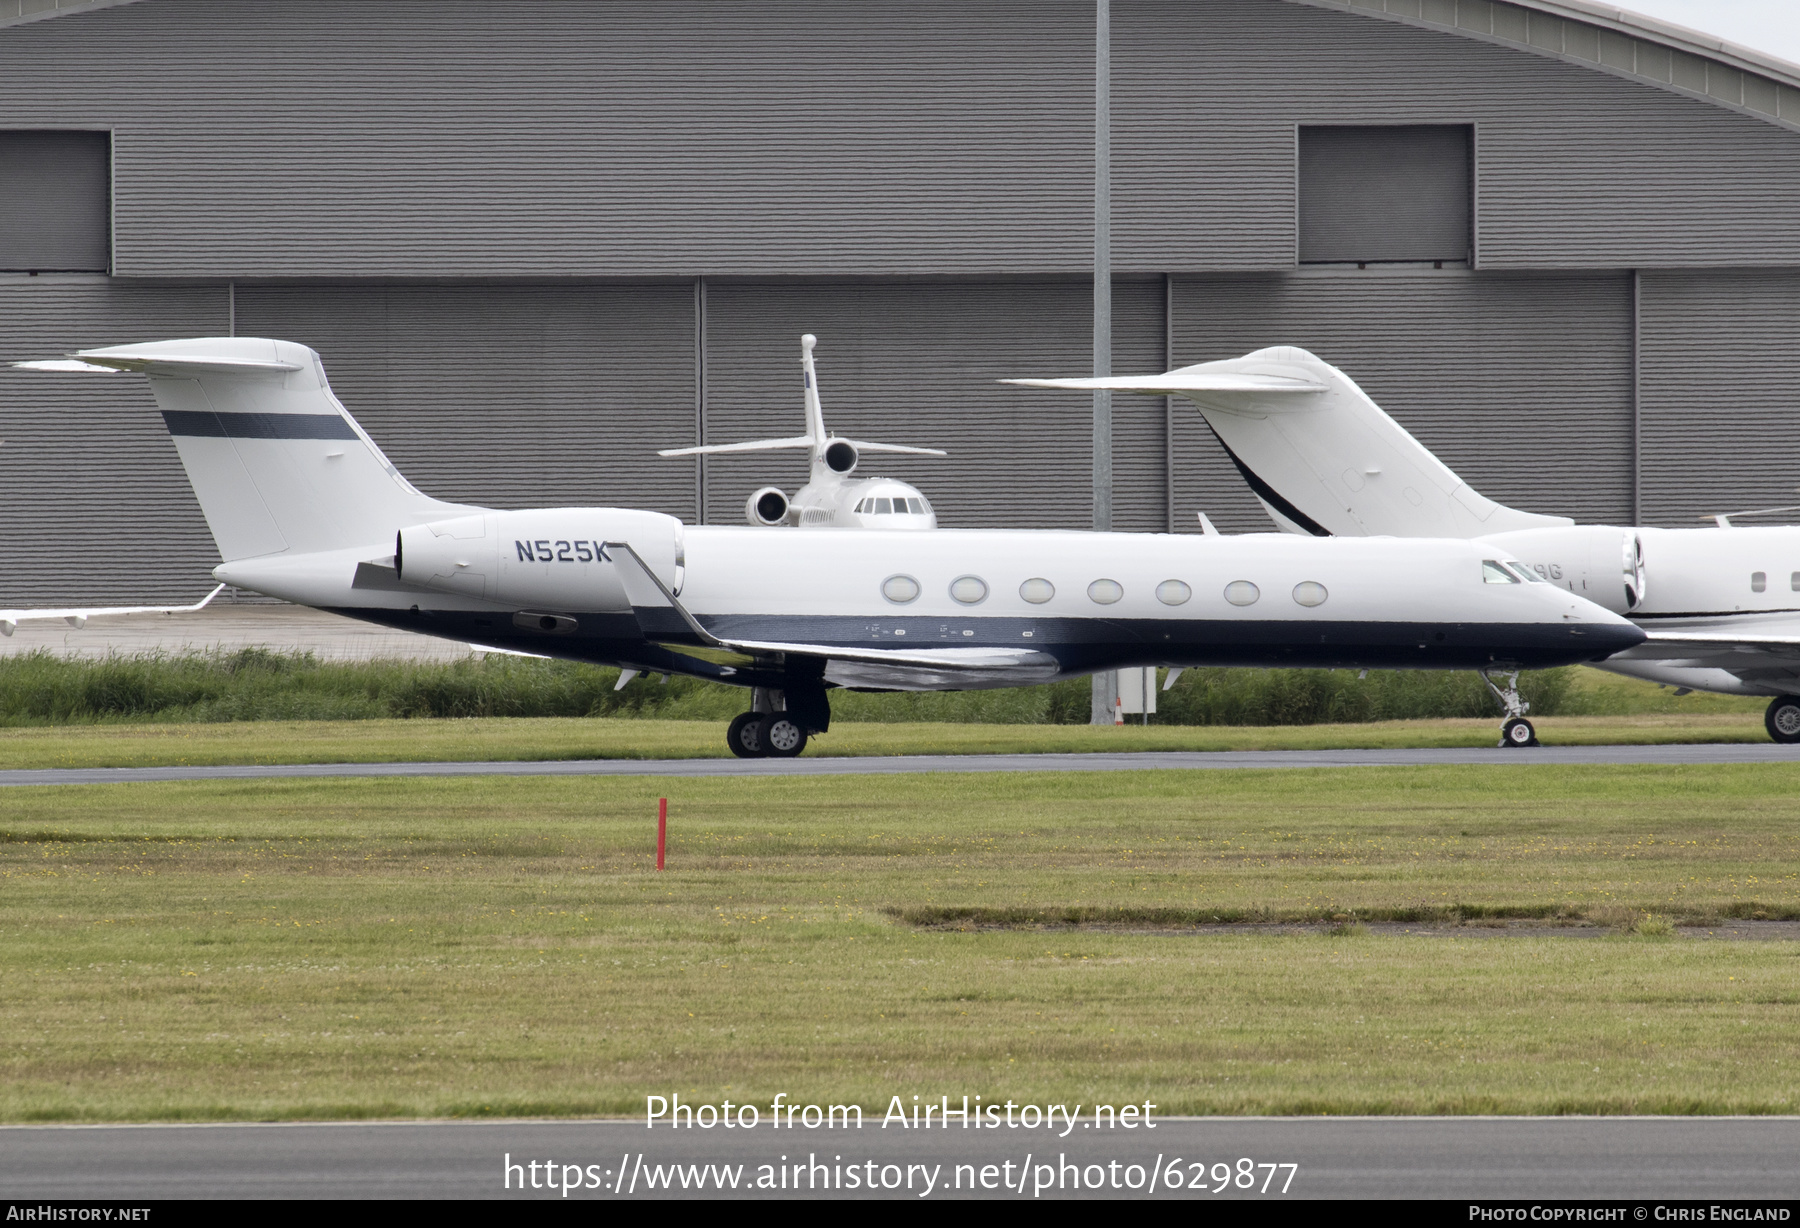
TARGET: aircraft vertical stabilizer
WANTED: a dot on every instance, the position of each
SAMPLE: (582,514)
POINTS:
(1320,454)
(275,460)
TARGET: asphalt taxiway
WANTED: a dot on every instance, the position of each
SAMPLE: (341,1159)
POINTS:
(1516,1159)
(868,765)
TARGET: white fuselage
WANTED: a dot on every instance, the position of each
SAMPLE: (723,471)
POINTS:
(1728,581)
(1078,601)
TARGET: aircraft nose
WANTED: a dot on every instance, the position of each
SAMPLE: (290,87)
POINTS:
(1607,632)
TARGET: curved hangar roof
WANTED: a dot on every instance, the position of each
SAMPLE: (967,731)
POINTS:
(1598,36)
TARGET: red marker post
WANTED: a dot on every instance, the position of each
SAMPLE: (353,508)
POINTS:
(662,829)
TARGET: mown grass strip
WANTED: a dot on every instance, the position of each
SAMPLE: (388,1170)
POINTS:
(256,684)
(490,946)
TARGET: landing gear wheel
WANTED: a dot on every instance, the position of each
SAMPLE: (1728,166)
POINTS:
(782,737)
(1783,719)
(1518,732)
(744,736)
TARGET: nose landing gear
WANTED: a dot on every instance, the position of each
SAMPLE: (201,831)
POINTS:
(1516,731)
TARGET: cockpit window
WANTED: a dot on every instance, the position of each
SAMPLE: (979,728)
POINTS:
(1530,576)
(915,506)
(1493,573)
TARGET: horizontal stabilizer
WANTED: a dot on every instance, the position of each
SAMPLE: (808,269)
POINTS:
(797,441)
(158,359)
(754,445)
(78,615)
(1186,380)
(65,364)
(863,446)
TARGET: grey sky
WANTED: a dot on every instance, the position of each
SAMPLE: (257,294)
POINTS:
(1771,26)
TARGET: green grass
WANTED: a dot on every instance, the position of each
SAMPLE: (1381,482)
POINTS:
(254,684)
(156,744)
(342,948)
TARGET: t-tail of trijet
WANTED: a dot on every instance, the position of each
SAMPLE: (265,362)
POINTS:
(830,455)
(275,460)
(1321,456)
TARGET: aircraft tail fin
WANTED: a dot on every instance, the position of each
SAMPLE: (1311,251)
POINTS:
(826,452)
(1321,456)
(276,462)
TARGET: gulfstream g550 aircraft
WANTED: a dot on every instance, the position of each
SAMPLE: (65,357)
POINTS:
(1721,604)
(305,507)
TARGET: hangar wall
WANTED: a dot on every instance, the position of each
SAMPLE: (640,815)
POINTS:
(94,506)
(1720,378)
(551,138)
(495,222)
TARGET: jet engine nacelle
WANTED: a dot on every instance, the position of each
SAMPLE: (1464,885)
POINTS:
(767,507)
(554,558)
(840,456)
(1603,563)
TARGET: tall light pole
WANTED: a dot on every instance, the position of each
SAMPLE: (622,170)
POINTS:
(1106,682)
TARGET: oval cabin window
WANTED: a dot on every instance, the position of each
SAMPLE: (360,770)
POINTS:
(900,589)
(1242,592)
(1311,592)
(1105,592)
(1037,590)
(970,590)
(1759,581)
(1173,592)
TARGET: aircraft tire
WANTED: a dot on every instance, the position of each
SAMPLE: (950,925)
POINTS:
(1782,720)
(1518,732)
(744,735)
(782,737)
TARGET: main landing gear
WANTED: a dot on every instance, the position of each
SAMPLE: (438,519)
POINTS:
(1782,720)
(1516,731)
(778,725)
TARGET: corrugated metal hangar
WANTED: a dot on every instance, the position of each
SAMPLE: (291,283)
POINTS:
(535,240)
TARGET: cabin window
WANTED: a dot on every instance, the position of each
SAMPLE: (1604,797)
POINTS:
(1493,573)
(1105,592)
(1242,592)
(1388,194)
(900,589)
(55,202)
(1759,581)
(1311,592)
(1038,590)
(969,590)
(1794,581)
(1173,592)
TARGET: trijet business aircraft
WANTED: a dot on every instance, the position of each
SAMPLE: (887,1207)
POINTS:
(831,498)
(1721,605)
(305,507)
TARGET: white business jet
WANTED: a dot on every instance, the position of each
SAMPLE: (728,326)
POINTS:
(831,498)
(305,507)
(1721,605)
